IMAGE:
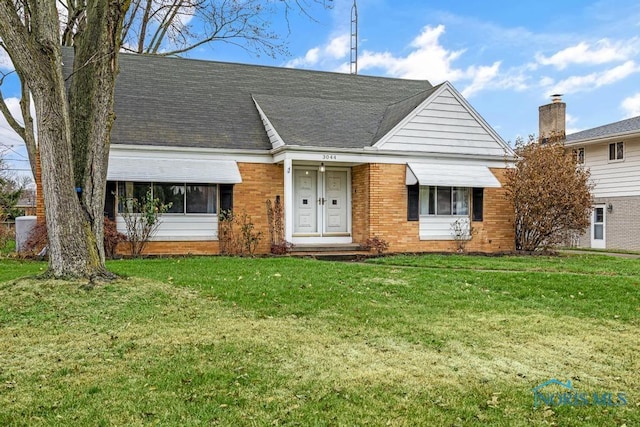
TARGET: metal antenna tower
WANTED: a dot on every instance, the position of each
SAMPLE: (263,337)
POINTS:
(354,38)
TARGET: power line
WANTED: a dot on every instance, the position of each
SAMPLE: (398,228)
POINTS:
(10,148)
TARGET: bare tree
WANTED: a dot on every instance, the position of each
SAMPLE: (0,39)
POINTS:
(551,195)
(73,126)
(171,27)
(73,130)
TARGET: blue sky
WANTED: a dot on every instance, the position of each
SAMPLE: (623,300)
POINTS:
(505,57)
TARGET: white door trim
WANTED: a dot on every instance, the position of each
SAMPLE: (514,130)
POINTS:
(321,236)
(598,228)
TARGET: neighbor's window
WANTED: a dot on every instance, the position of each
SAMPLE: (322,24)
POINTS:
(444,200)
(579,153)
(184,198)
(616,151)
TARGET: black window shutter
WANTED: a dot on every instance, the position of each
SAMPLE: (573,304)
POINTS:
(413,202)
(478,200)
(110,200)
(226,197)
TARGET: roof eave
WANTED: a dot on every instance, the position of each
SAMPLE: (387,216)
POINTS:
(606,138)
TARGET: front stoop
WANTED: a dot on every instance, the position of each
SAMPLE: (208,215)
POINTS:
(334,252)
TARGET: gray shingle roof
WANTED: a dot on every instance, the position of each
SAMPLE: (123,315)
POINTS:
(185,102)
(624,126)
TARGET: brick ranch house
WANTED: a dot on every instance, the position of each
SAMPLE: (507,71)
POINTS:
(350,157)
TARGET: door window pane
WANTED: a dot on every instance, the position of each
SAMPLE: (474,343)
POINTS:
(598,231)
(599,215)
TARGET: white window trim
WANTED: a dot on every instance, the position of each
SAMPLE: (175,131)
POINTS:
(616,160)
(185,213)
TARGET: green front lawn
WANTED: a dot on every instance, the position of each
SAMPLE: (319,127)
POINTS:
(431,340)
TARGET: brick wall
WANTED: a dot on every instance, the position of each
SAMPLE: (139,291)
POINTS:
(259,183)
(360,203)
(622,227)
(387,216)
(40,213)
(379,196)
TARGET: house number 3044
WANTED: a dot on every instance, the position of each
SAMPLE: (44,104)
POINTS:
(329,157)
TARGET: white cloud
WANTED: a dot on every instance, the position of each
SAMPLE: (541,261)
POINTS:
(595,80)
(339,46)
(8,138)
(570,122)
(5,61)
(631,105)
(427,59)
(602,52)
(336,49)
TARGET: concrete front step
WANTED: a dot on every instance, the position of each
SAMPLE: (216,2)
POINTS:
(335,252)
(350,247)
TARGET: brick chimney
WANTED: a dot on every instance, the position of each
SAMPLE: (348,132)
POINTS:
(552,122)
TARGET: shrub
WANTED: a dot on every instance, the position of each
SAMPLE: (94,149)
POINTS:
(39,239)
(462,232)
(550,193)
(275,217)
(238,235)
(142,219)
(377,244)
(112,237)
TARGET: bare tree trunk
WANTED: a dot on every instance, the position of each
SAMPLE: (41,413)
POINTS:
(32,41)
(91,98)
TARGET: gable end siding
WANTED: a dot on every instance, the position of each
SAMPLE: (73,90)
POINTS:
(444,125)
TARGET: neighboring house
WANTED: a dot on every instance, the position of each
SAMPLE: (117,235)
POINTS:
(351,157)
(612,154)
(27,202)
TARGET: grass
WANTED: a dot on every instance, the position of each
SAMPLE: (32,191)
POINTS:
(8,248)
(433,340)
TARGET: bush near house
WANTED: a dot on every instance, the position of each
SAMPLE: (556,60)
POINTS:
(38,238)
(550,193)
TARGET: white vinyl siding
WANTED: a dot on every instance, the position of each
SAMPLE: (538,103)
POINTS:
(618,178)
(438,227)
(181,227)
(440,207)
(178,223)
(446,126)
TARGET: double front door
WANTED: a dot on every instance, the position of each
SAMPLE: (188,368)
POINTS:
(321,202)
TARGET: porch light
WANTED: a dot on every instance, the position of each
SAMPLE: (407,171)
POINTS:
(610,208)
(321,167)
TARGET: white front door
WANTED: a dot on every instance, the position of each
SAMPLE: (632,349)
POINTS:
(598,227)
(321,205)
(334,202)
(305,218)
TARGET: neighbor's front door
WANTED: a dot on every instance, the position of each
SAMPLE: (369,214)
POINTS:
(597,227)
(321,202)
